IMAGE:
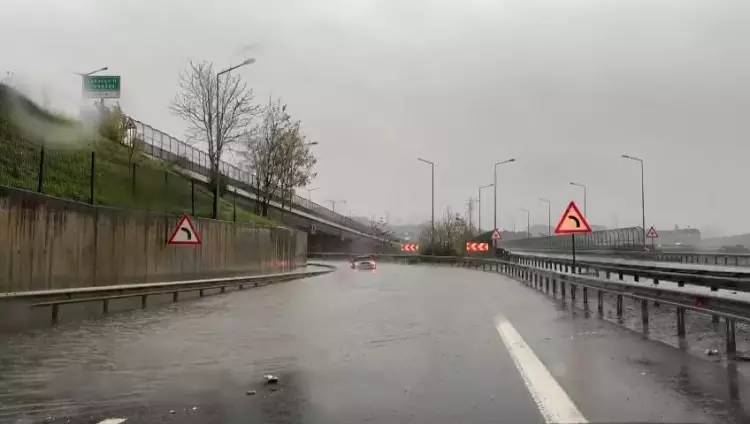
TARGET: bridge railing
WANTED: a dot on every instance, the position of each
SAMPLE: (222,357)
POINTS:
(620,238)
(170,149)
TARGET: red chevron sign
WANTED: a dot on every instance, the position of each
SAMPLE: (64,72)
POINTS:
(477,247)
(409,247)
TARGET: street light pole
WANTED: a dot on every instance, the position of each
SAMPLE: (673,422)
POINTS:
(494,220)
(217,137)
(479,205)
(528,222)
(309,193)
(432,166)
(549,220)
(333,203)
(643,196)
(585,212)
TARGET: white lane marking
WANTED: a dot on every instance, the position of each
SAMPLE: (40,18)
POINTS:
(554,404)
(113,421)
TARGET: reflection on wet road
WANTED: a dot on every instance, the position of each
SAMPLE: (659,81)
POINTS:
(402,344)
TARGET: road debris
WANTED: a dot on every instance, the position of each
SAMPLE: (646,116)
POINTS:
(250,393)
(712,352)
(172,411)
(112,421)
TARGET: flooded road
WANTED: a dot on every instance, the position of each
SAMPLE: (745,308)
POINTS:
(400,344)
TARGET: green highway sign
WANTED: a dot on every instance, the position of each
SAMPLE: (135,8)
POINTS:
(101,86)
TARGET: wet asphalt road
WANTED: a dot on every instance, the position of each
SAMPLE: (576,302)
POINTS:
(403,344)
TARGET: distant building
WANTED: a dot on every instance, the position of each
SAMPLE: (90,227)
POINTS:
(678,237)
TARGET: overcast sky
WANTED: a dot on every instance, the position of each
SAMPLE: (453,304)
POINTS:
(564,86)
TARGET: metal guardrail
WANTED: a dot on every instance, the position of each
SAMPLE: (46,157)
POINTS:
(56,298)
(713,279)
(547,278)
(165,147)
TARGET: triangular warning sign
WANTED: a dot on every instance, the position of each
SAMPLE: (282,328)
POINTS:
(185,233)
(652,233)
(496,234)
(572,221)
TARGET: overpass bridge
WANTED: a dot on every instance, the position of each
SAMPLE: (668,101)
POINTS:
(327,229)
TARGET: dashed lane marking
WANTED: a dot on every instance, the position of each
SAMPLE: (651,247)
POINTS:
(554,404)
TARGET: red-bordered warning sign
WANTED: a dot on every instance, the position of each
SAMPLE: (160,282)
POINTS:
(185,233)
(572,221)
(652,233)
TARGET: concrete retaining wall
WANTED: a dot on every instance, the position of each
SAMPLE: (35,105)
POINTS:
(48,243)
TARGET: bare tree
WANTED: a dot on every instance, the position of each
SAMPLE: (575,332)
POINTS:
(279,156)
(451,233)
(217,113)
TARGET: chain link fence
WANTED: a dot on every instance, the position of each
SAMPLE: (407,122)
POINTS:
(106,175)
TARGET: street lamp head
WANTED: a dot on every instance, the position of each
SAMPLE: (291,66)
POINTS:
(313,143)
(544,200)
(249,61)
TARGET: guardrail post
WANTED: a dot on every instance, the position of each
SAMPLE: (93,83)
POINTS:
(175,296)
(546,284)
(681,322)
(105,306)
(714,319)
(554,287)
(562,289)
(620,275)
(636,278)
(730,338)
(200,292)
(607,275)
(644,315)
(223,289)
(573,292)
(600,301)
(143,301)
(619,306)
(586,297)
(55,313)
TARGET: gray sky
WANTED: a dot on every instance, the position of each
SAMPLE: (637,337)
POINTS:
(565,86)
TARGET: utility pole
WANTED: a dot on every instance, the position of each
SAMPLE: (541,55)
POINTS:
(470,212)
(479,206)
(432,190)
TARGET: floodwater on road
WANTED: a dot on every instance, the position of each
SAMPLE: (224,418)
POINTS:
(399,344)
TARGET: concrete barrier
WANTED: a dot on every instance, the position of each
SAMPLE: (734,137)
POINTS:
(48,243)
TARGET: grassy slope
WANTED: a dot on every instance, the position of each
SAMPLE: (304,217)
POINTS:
(67,167)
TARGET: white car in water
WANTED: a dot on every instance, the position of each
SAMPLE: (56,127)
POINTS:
(364,262)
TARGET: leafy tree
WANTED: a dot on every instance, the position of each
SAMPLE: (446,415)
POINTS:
(279,155)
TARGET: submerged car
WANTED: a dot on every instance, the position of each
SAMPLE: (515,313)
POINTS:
(364,262)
